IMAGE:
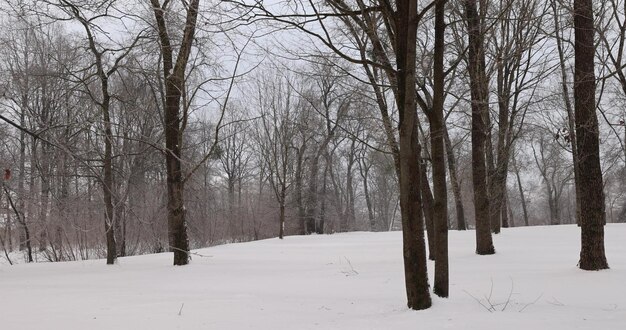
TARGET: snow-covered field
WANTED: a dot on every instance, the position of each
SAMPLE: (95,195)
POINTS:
(342,281)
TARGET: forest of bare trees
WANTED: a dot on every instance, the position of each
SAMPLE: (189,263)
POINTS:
(134,127)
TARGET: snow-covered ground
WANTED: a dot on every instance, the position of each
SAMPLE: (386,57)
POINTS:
(342,281)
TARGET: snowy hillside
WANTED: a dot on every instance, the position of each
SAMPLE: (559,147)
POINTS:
(343,281)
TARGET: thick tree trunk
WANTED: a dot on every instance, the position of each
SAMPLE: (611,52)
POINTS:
(174,76)
(415,272)
(480,109)
(437,127)
(592,214)
(177,228)
(179,243)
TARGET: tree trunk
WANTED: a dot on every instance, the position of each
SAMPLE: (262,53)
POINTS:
(415,271)
(429,212)
(521,192)
(506,219)
(552,206)
(320,223)
(24,240)
(441,286)
(281,219)
(45,197)
(454,183)
(480,109)
(364,170)
(592,214)
(494,215)
(108,180)
(120,225)
(174,76)
(350,209)
(312,196)
(7,229)
(232,217)
(298,191)
(20,218)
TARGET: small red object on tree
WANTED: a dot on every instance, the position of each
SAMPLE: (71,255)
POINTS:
(7,174)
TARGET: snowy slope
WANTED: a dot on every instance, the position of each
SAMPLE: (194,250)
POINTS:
(343,281)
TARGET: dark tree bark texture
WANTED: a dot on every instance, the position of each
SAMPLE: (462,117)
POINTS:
(589,182)
(480,109)
(438,155)
(414,249)
(174,76)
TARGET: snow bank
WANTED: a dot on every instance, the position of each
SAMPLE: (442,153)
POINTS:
(342,281)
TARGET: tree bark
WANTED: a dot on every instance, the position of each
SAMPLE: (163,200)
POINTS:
(480,109)
(592,216)
(415,271)
(441,286)
(108,180)
(174,76)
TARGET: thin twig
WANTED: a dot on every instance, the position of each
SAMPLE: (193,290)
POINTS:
(478,301)
(509,298)
(531,303)
(352,268)
(189,252)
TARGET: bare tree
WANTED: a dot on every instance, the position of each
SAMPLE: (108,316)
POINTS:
(519,69)
(279,109)
(589,181)
(406,20)
(555,174)
(104,73)
(174,70)
(437,143)
(480,109)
